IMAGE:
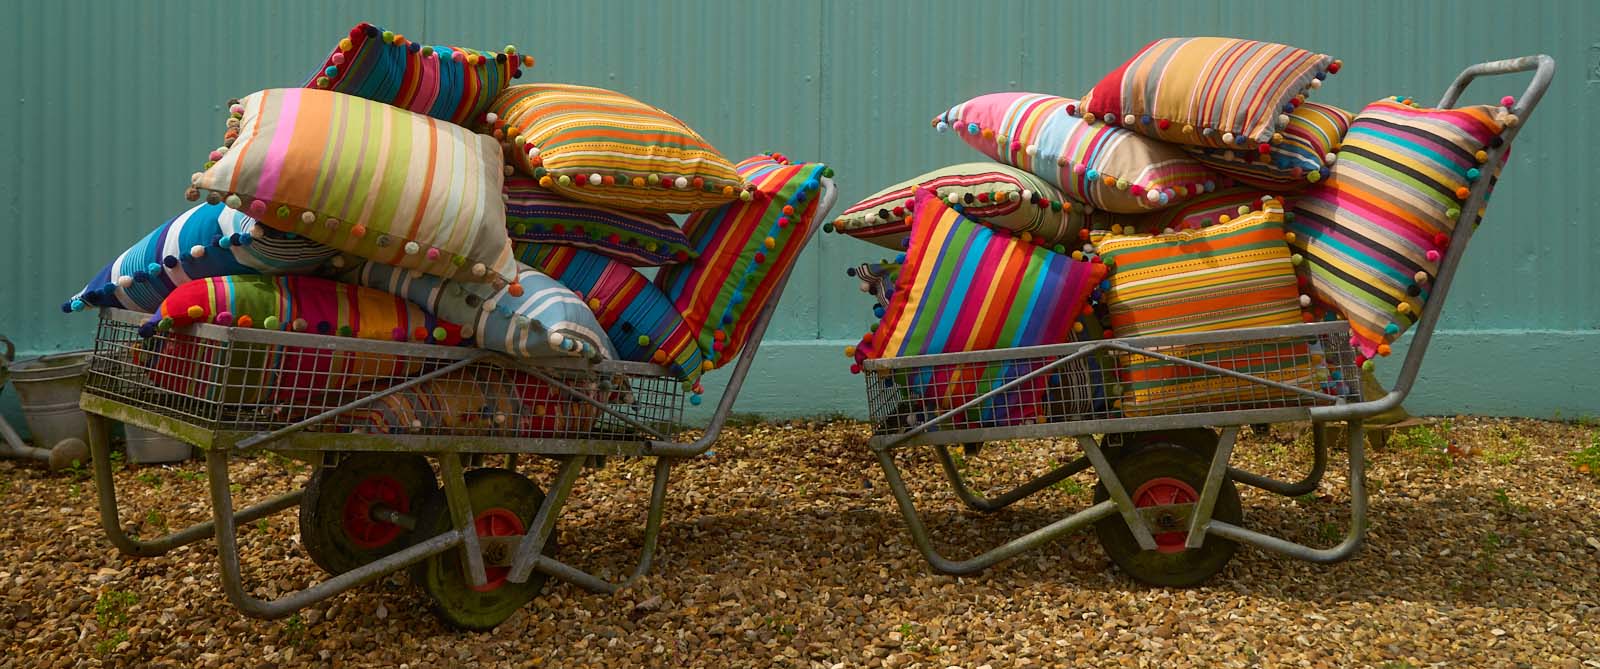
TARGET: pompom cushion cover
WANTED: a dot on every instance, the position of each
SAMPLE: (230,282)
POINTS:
(877,280)
(291,303)
(1103,165)
(965,287)
(369,179)
(1208,91)
(1304,157)
(448,83)
(999,195)
(464,404)
(207,240)
(600,146)
(640,239)
(641,322)
(546,320)
(1372,235)
(745,249)
(1233,275)
(1211,208)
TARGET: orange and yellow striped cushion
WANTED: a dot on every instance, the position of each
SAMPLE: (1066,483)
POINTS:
(594,145)
(1208,91)
(1234,275)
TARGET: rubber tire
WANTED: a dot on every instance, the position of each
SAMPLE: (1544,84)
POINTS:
(322,530)
(1201,441)
(443,577)
(1182,569)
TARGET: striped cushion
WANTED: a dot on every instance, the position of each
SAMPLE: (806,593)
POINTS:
(1304,157)
(534,214)
(1208,91)
(745,250)
(368,179)
(601,146)
(638,318)
(1373,234)
(205,241)
(1211,208)
(241,376)
(1105,166)
(1233,275)
(999,195)
(964,287)
(546,320)
(448,83)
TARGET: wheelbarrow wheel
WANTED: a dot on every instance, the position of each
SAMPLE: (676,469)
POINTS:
(503,504)
(337,525)
(1158,475)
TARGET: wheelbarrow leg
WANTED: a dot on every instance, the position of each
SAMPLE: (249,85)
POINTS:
(228,554)
(544,522)
(1307,485)
(111,517)
(977,502)
(462,516)
(652,532)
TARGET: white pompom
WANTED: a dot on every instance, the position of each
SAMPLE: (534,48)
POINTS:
(595,179)
(1316,83)
(533,152)
(1129,120)
(1227,138)
(197,251)
(681,183)
(1027,195)
(1305,300)
(125,281)
(491,117)
(1032,149)
(1153,195)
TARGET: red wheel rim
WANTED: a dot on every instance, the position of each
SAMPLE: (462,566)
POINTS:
(497,522)
(1161,492)
(359,526)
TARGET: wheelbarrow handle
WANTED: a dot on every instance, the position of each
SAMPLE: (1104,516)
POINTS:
(11,350)
(1544,68)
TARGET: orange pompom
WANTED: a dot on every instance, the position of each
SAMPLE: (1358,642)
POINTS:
(514,289)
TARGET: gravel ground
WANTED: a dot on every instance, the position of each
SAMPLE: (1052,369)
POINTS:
(784,549)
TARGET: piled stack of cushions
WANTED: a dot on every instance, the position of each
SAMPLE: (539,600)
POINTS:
(366,178)
(517,405)
(964,287)
(288,303)
(1374,233)
(1216,92)
(447,83)
(1232,275)
(640,239)
(594,145)
(640,321)
(1304,156)
(999,195)
(745,250)
(1103,165)
(545,319)
(208,240)
(1211,208)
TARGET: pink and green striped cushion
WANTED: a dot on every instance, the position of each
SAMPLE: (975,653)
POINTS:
(1373,234)
(446,82)
(1304,157)
(1208,91)
(745,250)
(999,195)
(1105,166)
(368,179)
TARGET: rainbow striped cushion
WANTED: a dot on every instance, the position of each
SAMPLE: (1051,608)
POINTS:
(205,241)
(999,195)
(546,319)
(1208,91)
(745,251)
(965,287)
(1105,166)
(1233,275)
(536,215)
(640,320)
(246,376)
(1373,234)
(601,146)
(448,83)
(1305,156)
(1209,209)
(369,179)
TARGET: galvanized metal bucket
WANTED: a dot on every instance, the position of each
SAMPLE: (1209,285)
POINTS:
(149,447)
(48,388)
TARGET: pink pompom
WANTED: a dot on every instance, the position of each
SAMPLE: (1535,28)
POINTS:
(1433,256)
(1507,101)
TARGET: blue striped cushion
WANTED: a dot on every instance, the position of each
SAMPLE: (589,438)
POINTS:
(547,319)
(206,241)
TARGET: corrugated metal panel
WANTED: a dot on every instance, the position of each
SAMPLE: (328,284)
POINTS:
(102,144)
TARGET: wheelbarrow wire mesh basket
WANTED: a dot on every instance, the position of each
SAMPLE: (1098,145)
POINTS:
(235,380)
(1287,367)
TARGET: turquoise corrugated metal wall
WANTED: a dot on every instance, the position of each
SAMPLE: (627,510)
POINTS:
(112,105)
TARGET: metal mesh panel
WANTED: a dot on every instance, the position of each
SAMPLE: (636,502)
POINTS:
(1172,376)
(271,380)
